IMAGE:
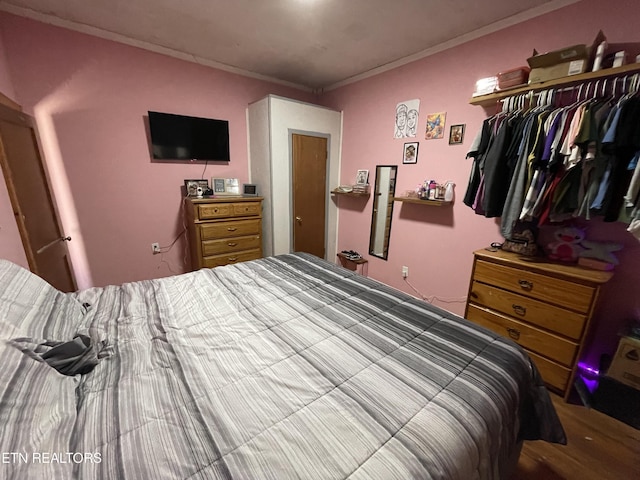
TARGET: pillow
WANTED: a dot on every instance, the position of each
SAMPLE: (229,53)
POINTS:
(35,308)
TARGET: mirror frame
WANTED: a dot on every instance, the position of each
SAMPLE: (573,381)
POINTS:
(389,208)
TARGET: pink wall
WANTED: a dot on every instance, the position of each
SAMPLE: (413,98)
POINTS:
(437,243)
(90,97)
(10,243)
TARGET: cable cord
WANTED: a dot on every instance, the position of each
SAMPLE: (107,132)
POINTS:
(434,297)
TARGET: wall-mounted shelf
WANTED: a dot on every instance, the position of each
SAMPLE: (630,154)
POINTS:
(350,194)
(432,203)
(492,98)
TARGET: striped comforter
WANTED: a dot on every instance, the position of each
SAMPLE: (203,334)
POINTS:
(286,367)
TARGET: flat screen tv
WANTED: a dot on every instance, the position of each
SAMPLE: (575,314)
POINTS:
(179,137)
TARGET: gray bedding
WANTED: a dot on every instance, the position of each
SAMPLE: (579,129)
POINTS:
(286,367)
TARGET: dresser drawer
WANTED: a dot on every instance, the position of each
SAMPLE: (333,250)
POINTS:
(544,288)
(229,245)
(218,260)
(214,210)
(539,341)
(553,374)
(233,228)
(549,317)
(231,209)
(247,209)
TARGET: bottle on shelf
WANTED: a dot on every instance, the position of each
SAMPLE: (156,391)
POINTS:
(448,191)
(433,186)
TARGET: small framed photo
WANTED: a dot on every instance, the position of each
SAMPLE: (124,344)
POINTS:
(362,177)
(410,153)
(219,185)
(249,190)
(192,187)
(456,134)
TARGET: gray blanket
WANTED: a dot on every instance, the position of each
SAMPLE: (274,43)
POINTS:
(286,367)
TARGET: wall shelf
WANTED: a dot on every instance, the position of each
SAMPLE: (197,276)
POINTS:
(492,98)
(350,194)
(432,203)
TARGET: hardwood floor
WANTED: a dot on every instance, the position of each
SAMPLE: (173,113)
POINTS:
(598,447)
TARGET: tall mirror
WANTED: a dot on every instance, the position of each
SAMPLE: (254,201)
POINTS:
(385,189)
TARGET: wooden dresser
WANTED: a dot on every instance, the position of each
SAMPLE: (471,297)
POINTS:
(224,230)
(545,307)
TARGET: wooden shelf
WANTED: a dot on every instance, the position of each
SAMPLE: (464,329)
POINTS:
(359,261)
(492,98)
(433,203)
(350,194)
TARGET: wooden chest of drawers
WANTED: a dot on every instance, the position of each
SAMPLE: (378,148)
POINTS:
(224,230)
(545,307)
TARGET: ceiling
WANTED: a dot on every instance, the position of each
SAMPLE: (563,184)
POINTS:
(309,44)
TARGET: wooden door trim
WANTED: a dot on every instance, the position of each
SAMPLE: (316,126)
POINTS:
(4,100)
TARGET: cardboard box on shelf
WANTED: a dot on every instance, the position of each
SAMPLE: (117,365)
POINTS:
(625,366)
(564,62)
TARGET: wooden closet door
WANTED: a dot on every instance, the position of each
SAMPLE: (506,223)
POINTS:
(309,194)
(32,201)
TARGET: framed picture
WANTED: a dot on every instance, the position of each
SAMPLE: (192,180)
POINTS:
(225,186)
(193,184)
(249,190)
(410,153)
(435,125)
(362,177)
(456,134)
(218,185)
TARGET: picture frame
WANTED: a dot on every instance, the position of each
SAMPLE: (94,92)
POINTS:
(435,125)
(249,190)
(410,152)
(456,134)
(362,177)
(191,185)
(225,186)
(218,185)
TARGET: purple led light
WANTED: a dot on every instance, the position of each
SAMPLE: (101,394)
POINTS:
(587,369)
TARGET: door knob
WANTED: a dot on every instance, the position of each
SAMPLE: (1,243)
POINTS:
(299,219)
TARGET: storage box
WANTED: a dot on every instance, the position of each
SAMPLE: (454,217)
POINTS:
(562,63)
(625,366)
(513,78)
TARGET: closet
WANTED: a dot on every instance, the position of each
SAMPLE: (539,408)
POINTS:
(554,154)
(272,122)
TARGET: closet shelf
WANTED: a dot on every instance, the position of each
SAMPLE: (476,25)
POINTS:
(432,203)
(492,98)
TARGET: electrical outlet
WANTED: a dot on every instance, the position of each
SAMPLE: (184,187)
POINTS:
(155,247)
(405,272)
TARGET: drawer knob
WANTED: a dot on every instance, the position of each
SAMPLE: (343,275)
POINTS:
(231,229)
(232,244)
(525,284)
(514,333)
(519,309)
(232,259)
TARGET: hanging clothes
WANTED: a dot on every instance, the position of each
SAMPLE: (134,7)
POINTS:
(553,163)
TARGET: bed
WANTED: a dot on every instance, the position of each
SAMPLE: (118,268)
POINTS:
(286,367)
